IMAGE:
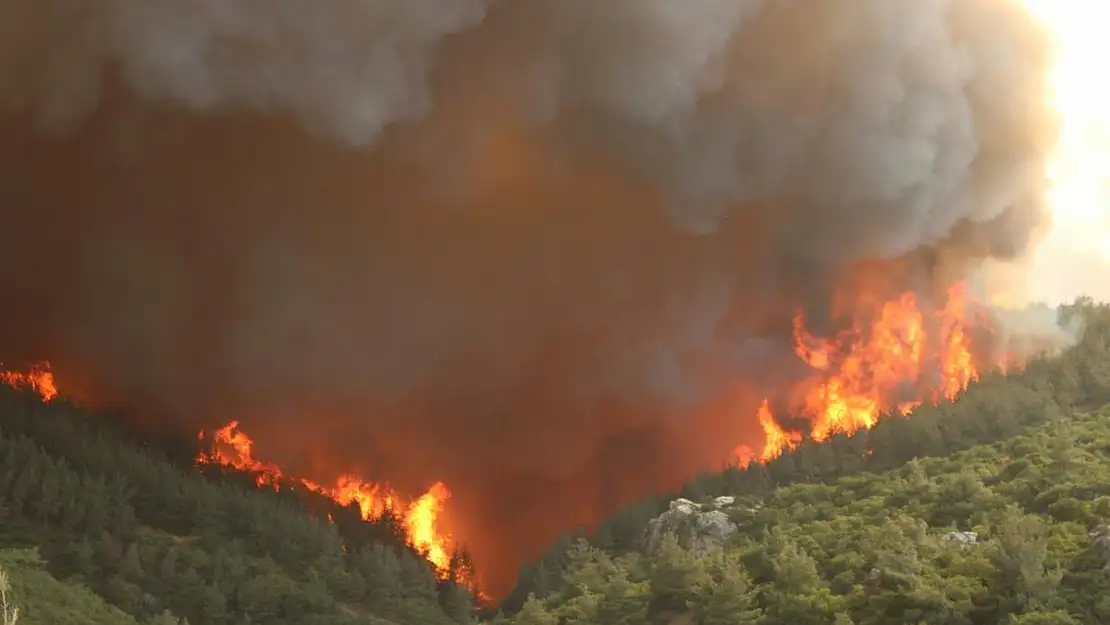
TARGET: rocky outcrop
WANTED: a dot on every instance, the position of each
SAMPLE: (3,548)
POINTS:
(964,539)
(698,527)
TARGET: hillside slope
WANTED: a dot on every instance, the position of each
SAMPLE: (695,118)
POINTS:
(1018,532)
(150,536)
(44,600)
(996,408)
(846,531)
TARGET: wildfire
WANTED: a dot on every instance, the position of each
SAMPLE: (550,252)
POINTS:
(893,356)
(234,448)
(776,437)
(38,378)
(862,373)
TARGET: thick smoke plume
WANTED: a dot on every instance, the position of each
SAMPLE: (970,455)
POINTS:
(547,250)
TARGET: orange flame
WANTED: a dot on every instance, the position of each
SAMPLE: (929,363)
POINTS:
(39,378)
(860,370)
(777,438)
(234,448)
(859,375)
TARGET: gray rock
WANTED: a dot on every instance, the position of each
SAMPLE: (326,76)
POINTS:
(964,539)
(697,529)
(684,507)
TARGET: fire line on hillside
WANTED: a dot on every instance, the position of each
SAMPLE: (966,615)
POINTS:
(548,269)
(39,378)
(859,375)
(858,372)
(231,447)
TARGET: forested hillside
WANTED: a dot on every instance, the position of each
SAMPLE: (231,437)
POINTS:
(100,527)
(30,594)
(161,541)
(1013,532)
(872,529)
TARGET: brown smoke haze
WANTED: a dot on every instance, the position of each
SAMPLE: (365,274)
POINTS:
(547,251)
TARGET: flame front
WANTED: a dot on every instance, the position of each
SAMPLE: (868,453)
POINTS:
(420,516)
(231,447)
(234,448)
(859,374)
(39,378)
(892,357)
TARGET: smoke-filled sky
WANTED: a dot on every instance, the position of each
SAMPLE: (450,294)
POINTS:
(1074,258)
(547,250)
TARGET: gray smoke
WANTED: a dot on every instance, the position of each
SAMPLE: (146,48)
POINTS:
(555,245)
(910,117)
